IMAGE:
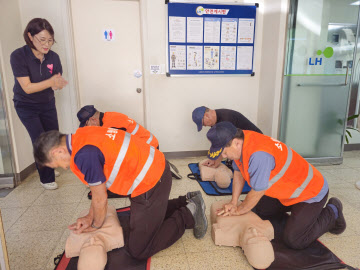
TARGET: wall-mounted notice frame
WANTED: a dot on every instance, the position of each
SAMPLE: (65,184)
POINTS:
(210,39)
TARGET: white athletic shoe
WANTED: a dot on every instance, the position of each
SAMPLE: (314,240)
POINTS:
(52,185)
(57,173)
(357,184)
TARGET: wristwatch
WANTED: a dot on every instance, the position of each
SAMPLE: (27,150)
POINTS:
(93,226)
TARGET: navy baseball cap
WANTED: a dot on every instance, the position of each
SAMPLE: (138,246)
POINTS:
(85,113)
(219,135)
(197,116)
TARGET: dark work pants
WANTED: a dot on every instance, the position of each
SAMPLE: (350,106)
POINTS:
(38,118)
(307,222)
(155,221)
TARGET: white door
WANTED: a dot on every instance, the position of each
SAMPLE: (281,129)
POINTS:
(106,68)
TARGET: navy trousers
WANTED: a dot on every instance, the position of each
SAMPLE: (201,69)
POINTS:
(38,118)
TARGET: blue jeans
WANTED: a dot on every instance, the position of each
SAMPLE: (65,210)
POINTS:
(38,118)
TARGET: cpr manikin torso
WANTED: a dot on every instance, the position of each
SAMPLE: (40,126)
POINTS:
(248,231)
(221,175)
(92,247)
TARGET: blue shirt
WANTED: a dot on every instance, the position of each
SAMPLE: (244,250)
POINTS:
(90,161)
(260,166)
(25,64)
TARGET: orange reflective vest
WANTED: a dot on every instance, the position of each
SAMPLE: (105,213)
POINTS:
(131,166)
(293,179)
(119,120)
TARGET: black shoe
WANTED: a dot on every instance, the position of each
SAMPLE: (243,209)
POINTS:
(191,194)
(201,223)
(174,171)
(340,223)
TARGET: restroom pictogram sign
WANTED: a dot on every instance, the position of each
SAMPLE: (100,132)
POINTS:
(108,35)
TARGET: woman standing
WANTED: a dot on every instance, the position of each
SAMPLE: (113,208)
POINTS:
(37,71)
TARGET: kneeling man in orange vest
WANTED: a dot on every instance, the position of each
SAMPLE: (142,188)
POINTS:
(107,158)
(90,116)
(281,181)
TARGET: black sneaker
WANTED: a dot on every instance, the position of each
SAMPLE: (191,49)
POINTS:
(191,194)
(340,223)
(174,171)
(201,223)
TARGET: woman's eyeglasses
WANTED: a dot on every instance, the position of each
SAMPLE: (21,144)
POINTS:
(44,41)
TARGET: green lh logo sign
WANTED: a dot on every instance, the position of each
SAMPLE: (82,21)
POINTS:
(328,52)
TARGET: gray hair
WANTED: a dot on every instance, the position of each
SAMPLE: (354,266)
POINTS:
(44,143)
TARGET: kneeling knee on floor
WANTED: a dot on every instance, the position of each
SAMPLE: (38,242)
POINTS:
(294,243)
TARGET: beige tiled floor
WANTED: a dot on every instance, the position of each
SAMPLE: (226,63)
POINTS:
(35,221)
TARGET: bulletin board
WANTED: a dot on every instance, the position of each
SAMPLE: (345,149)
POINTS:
(210,39)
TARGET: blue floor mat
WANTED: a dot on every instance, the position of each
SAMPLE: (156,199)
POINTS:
(210,187)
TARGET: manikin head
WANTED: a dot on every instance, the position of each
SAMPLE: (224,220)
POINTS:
(203,116)
(93,255)
(89,116)
(226,140)
(50,150)
(257,248)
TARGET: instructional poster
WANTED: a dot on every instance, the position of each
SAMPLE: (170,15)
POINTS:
(194,30)
(212,30)
(246,31)
(178,57)
(206,39)
(244,57)
(228,54)
(228,30)
(194,57)
(177,29)
(211,57)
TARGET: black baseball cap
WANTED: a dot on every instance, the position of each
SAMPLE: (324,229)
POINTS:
(219,135)
(85,113)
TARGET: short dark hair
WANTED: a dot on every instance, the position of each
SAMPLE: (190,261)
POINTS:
(44,143)
(239,135)
(35,26)
(206,109)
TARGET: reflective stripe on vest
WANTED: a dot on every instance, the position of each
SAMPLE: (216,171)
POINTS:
(300,189)
(144,170)
(283,169)
(69,140)
(119,160)
(135,130)
(150,139)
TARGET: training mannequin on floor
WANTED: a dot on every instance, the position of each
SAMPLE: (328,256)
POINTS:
(221,175)
(248,231)
(92,247)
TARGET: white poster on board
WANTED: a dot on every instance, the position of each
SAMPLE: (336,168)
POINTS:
(177,29)
(228,30)
(211,57)
(195,28)
(212,30)
(194,57)
(227,57)
(244,57)
(177,57)
(246,31)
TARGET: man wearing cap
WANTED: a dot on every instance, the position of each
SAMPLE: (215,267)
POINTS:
(89,116)
(281,181)
(132,168)
(203,116)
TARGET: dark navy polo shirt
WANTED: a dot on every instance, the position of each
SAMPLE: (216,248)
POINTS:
(90,161)
(236,118)
(25,64)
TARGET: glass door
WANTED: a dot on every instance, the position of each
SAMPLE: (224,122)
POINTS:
(319,63)
(6,161)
